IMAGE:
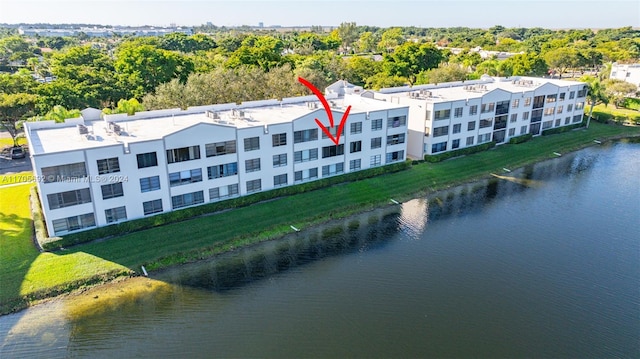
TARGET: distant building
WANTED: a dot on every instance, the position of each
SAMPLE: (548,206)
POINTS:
(449,116)
(95,173)
(103,32)
(626,72)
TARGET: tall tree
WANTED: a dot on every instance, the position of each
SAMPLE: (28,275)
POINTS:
(409,59)
(348,32)
(14,108)
(596,94)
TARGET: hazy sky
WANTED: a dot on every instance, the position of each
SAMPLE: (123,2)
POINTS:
(426,13)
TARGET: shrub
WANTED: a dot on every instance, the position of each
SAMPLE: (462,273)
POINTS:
(461,152)
(520,139)
(562,129)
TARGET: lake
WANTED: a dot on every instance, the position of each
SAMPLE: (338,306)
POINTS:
(540,262)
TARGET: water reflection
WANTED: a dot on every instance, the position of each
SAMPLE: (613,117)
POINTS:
(228,271)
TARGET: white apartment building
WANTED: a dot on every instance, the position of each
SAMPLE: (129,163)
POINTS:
(454,115)
(626,72)
(95,173)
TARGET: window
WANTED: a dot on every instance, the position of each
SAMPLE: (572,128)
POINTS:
(376,124)
(471,125)
(457,112)
(183,154)
(502,107)
(577,118)
(551,98)
(570,107)
(355,165)
(73,223)
(305,175)
(558,120)
(334,169)
(583,92)
(251,144)
(332,151)
(376,142)
(486,123)
(112,190)
(515,103)
(224,170)
(440,131)
(220,148)
(487,107)
(355,146)
(473,110)
(64,172)
(149,184)
(572,95)
(305,135)
(523,130)
(457,128)
(108,165)
(69,198)
(470,140)
(547,124)
(280,160)
(147,160)
(187,199)
(254,186)
(567,120)
(442,115)
(375,160)
(438,147)
(152,207)
(525,116)
(397,121)
(514,117)
(549,111)
(536,115)
(279,139)
(395,139)
(484,138)
(356,127)
(305,155)
(455,144)
(579,105)
(500,122)
(280,180)
(538,101)
(559,109)
(427,131)
(252,165)
(115,214)
(223,192)
(512,132)
(527,101)
(395,156)
(562,96)
(185,177)
(332,130)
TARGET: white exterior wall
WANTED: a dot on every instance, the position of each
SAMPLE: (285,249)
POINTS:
(202,134)
(629,73)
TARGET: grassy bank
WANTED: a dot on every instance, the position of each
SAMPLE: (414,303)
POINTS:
(203,237)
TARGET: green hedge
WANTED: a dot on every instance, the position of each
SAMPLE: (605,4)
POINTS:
(562,129)
(620,118)
(520,139)
(190,212)
(460,152)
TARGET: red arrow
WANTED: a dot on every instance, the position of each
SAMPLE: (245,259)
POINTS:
(323,100)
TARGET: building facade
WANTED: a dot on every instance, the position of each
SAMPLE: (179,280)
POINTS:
(626,72)
(95,173)
(455,115)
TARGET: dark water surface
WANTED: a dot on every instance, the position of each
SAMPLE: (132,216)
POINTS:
(543,262)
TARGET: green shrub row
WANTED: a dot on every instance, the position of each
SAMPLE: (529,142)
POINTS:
(39,225)
(460,152)
(608,117)
(631,103)
(562,129)
(520,139)
(190,212)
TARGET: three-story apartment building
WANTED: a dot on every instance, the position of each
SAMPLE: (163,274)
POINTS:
(96,173)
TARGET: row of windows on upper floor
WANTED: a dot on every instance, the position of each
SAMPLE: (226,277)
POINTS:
(455,143)
(75,197)
(502,107)
(67,172)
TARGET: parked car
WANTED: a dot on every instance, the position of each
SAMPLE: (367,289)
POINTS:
(17,152)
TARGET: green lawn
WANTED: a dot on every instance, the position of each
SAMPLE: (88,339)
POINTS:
(25,273)
(24,270)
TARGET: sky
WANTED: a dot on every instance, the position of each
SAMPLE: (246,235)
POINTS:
(560,14)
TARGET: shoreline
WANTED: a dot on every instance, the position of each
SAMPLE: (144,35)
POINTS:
(91,285)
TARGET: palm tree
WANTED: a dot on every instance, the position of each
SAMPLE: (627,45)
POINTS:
(596,93)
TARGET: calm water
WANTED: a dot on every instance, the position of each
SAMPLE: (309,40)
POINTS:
(543,262)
